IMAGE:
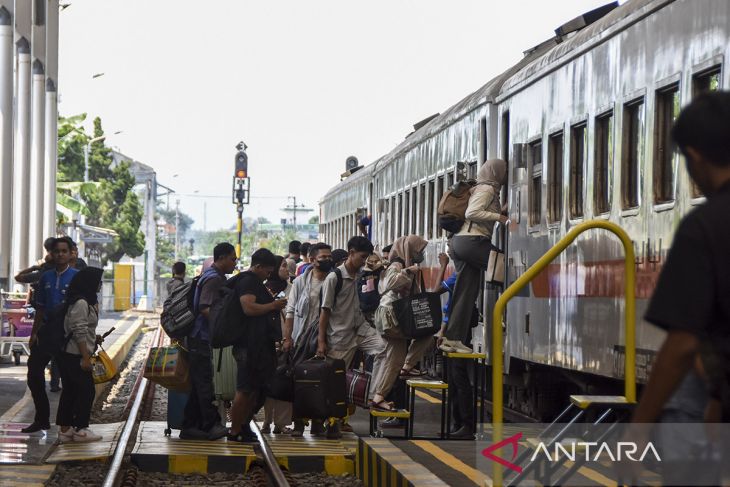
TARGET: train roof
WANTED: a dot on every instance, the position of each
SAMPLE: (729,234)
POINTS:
(536,61)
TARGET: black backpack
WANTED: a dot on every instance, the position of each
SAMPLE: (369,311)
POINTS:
(369,300)
(225,316)
(178,310)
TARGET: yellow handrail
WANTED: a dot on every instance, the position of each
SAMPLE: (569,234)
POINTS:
(522,281)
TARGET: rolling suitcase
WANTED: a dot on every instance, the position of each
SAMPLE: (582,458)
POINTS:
(224,373)
(320,389)
(176,402)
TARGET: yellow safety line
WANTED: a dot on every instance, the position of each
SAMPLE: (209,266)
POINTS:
(451,461)
(428,397)
(524,280)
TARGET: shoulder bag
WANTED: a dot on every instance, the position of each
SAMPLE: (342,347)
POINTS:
(418,315)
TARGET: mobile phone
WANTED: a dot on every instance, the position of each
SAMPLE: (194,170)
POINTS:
(281,295)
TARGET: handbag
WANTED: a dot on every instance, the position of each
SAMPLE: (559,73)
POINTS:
(102,367)
(281,386)
(418,315)
(307,343)
(168,367)
(495,263)
(358,387)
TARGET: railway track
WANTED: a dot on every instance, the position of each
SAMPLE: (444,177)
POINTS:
(265,471)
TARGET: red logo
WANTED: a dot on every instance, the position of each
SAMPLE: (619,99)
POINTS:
(514,441)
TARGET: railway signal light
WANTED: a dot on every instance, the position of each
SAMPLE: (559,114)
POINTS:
(241,165)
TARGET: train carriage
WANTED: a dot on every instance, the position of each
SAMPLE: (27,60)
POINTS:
(583,121)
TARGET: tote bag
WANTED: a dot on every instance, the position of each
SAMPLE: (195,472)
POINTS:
(418,315)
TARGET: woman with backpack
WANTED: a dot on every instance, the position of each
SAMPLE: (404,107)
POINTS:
(74,360)
(402,277)
(470,249)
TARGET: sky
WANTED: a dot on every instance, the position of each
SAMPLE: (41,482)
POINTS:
(305,83)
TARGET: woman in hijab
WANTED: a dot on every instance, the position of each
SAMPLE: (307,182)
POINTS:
(470,249)
(82,317)
(277,411)
(401,354)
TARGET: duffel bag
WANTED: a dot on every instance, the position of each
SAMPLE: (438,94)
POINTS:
(282,384)
(358,387)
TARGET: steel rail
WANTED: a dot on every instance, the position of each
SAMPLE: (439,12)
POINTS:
(524,280)
(121,447)
(274,469)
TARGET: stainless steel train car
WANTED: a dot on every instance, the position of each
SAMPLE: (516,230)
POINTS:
(583,121)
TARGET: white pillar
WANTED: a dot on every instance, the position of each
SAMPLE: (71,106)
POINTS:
(21,186)
(6,140)
(37,155)
(51,158)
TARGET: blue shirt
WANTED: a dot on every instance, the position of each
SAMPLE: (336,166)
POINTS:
(449,285)
(52,288)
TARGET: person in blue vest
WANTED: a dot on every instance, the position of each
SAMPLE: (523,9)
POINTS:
(50,298)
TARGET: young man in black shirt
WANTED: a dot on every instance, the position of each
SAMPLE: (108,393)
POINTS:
(691,299)
(256,353)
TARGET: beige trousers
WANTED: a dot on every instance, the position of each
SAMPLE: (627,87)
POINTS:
(399,353)
(277,412)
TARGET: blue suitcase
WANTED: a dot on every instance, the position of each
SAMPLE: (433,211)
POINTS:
(176,402)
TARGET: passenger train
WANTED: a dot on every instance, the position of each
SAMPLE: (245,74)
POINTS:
(583,121)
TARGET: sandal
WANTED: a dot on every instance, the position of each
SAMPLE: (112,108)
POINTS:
(382,406)
(412,373)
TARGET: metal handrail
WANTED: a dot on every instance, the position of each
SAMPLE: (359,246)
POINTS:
(527,277)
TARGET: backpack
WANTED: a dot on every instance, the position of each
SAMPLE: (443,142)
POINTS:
(178,311)
(225,316)
(369,300)
(452,206)
(338,287)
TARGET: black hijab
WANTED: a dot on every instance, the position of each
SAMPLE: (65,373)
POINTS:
(274,283)
(84,285)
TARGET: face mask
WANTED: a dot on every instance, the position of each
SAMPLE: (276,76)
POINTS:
(324,265)
(418,258)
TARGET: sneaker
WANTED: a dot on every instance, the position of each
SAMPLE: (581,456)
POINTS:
(193,434)
(298,430)
(35,427)
(217,432)
(266,428)
(67,436)
(317,428)
(55,389)
(283,431)
(85,435)
(455,346)
(333,431)
(463,433)
(245,436)
(393,423)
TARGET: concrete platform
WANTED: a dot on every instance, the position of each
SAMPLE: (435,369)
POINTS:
(154,452)
(97,450)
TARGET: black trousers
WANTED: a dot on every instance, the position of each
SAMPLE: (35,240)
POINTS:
(77,397)
(461,394)
(37,363)
(199,411)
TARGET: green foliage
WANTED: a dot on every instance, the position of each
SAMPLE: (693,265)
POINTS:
(168,216)
(111,201)
(314,220)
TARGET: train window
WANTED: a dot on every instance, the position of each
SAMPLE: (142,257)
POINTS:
(472,170)
(399,232)
(414,203)
(451,179)
(632,153)
(482,140)
(708,80)
(391,235)
(555,178)
(665,158)
(604,164)
(439,194)
(505,136)
(431,214)
(535,190)
(578,134)
(422,210)
(406,213)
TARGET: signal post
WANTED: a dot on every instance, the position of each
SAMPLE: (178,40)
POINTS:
(241,189)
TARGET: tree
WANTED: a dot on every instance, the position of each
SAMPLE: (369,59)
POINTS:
(168,216)
(112,202)
(262,220)
(314,220)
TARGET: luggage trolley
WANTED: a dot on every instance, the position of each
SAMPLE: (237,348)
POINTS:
(16,324)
